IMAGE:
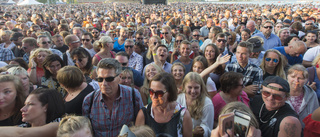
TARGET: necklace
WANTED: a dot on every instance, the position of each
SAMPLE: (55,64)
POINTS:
(269,118)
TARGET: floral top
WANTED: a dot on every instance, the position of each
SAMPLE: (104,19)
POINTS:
(296,102)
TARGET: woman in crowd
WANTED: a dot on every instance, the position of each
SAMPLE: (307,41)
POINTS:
(82,59)
(302,97)
(126,78)
(71,126)
(119,41)
(231,90)
(105,45)
(72,80)
(12,94)
(22,74)
(195,97)
(19,61)
(35,65)
(51,64)
(164,115)
(283,34)
(311,39)
(41,107)
(178,71)
(245,34)
(313,76)
(273,64)
(136,131)
(150,72)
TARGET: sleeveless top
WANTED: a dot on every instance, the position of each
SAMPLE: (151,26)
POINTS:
(173,128)
(99,58)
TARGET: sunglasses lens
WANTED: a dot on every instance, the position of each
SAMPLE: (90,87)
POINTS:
(268,59)
(99,79)
(109,79)
(265,93)
(275,60)
(277,97)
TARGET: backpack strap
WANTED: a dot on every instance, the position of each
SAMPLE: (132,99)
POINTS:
(65,58)
(91,102)
(134,103)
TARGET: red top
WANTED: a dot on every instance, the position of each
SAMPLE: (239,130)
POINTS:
(311,128)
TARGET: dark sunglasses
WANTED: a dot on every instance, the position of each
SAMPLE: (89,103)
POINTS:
(46,42)
(179,41)
(129,46)
(80,60)
(107,79)
(222,40)
(24,47)
(86,40)
(95,32)
(308,24)
(274,60)
(124,64)
(270,27)
(154,27)
(165,33)
(140,38)
(155,43)
(275,96)
(158,93)
(196,35)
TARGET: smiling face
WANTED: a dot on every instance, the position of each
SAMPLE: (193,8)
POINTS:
(209,53)
(40,57)
(185,50)
(270,102)
(193,90)
(33,111)
(284,34)
(54,67)
(162,53)
(311,37)
(245,36)
(158,86)
(151,71)
(242,55)
(126,79)
(197,67)
(177,72)
(8,94)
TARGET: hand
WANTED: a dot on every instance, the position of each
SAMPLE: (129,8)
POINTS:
(198,131)
(34,64)
(253,132)
(215,133)
(175,52)
(251,90)
(223,59)
(154,49)
(313,85)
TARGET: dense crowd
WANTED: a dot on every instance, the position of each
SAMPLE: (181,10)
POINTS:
(125,69)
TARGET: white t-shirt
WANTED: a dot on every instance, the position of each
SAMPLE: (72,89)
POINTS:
(211,86)
(311,53)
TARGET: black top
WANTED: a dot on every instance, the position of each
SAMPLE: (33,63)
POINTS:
(10,121)
(63,49)
(272,125)
(74,106)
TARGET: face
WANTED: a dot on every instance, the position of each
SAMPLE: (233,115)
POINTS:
(308,23)
(311,37)
(278,27)
(86,40)
(129,47)
(284,34)
(273,60)
(95,33)
(242,55)
(139,38)
(185,50)
(8,94)
(166,33)
(125,79)
(270,101)
(40,57)
(158,87)
(33,109)
(177,72)
(245,36)
(54,67)
(85,132)
(45,43)
(221,43)
(162,53)
(58,41)
(80,62)
(123,60)
(108,88)
(198,67)
(209,53)
(124,33)
(25,81)
(251,27)
(238,89)
(296,80)
(195,47)
(151,71)
(178,40)
(196,35)
(267,29)
(193,90)
(77,32)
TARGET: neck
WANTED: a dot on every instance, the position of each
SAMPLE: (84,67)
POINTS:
(8,42)
(104,50)
(122,38)
(267,36)
(78,89)
(168,40)
(296,91)
(7,111)
(112,96)
(269,70)
(40,122)
(228,97)
(178,82)
(88,46)
(184,59)
(165,107)
(243,64)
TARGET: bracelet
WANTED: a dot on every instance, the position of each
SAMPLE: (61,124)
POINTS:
(154,54)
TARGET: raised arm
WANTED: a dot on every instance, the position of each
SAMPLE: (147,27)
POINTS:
(48,130)
(220,60)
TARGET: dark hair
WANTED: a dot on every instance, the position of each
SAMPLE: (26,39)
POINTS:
(141,46)
(83,53)
(246,30)
(122,53)
(70,77)
(287,40)
(53,100)
(48,60)
(168,81)
(161,45)
(229,81)
(21,62)
(87,33)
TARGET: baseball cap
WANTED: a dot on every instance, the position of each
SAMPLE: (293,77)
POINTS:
(257,45)
(278,80)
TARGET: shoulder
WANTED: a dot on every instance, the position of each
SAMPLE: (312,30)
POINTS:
(290,123)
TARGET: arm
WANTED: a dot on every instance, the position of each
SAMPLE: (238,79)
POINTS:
(207,118)
(140,120)
(49,130)
(94,61)
(220,61)
(307,63)
(187,124)
(290,127)
(33,72)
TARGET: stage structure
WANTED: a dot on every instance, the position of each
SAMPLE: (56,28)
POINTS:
(154,2)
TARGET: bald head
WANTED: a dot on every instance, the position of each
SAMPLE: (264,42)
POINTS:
(297,48)
(251,26)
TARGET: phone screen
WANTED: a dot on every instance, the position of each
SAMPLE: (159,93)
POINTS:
(241,123)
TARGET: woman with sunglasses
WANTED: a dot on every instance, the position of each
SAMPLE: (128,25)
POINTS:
(302,99)
(82,59)
(105,45)
(51,65)
(195,97)
(36,59)
(273,64)
(311,39)
(73,81)
(164,115)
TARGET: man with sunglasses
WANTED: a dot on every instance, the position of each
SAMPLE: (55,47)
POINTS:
(168,39)
(135,60)
(113,105)
(28,44)
(293,52)
(72,42)
(59,44)
(270,40)
(44,41)
(86,40)
(196,36)
(275,116)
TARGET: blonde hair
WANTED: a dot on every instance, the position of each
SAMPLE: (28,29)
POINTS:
(104,40)
(35,53)
(17,71)
(279,71)
(316,60)
(128,71)
(71,124)
(142,131)
(146,82)
(196,107)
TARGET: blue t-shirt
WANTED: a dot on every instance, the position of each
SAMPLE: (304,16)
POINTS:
(291,60)
(117,47)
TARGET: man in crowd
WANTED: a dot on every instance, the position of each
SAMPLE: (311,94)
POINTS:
(168,39)
(86,39)
(293,52)
(59,44)
(135,60)
(196,36)
(44,41)
(72,42)
(113,105)
(270,40)
(204,31)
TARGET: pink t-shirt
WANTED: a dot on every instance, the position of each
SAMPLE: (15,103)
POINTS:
(219,103)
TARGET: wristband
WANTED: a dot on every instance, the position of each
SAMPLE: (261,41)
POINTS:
(154,54)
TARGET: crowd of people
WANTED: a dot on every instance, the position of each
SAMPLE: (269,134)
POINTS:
(126,69)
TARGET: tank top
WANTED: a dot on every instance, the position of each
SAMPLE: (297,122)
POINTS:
(99,58)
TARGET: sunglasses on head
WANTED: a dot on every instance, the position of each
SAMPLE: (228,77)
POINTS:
(179,41)
(270,27)
(274,60)
(221,40)
(75,60)
(158,93)
(128,46)
(46,42)
(86,40)
(107,79)
(275,96)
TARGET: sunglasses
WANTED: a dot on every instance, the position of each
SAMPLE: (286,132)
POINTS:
(222,40)
(165,33)
(270,27)
(154,27)
(95,32)
(129,46)
(46,42)
(196,35)
(74,61)
(308,24)
(107,79)
(140,38)
(274,60)
(124,64)
(86,40)
(158,93)
(178,41)
(275,96)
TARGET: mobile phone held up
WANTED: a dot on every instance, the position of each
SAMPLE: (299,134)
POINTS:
(241,123)
(226,122)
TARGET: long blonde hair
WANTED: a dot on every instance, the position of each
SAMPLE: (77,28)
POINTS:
(146,82)
(35,53)
(196,107)
(279,68)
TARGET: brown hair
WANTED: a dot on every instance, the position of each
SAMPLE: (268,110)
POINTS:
(70,77)
(167,80)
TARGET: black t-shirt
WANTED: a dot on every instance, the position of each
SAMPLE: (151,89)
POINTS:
(63,49)
(74,106)
(10,121)
(272,124)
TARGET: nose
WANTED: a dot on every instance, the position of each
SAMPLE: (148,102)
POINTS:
(23,109)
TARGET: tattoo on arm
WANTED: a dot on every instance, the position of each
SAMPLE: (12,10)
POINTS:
(290,129)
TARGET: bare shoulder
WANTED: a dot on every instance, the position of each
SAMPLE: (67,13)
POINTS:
(290,127)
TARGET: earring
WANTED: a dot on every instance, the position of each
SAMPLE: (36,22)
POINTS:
(317,66)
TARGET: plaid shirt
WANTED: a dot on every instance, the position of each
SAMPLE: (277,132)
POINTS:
(252,74)
(6,54)
(26,58)
(108,123)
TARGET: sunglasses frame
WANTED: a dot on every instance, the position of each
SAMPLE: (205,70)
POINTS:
(274,96)
(107,79)
(158,93)
(274,60)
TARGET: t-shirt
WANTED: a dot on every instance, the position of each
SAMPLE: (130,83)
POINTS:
(74,106)
(291,60)
(187,66)
(311,53)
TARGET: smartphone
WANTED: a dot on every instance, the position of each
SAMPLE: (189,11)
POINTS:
(241,123)
(226,122)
